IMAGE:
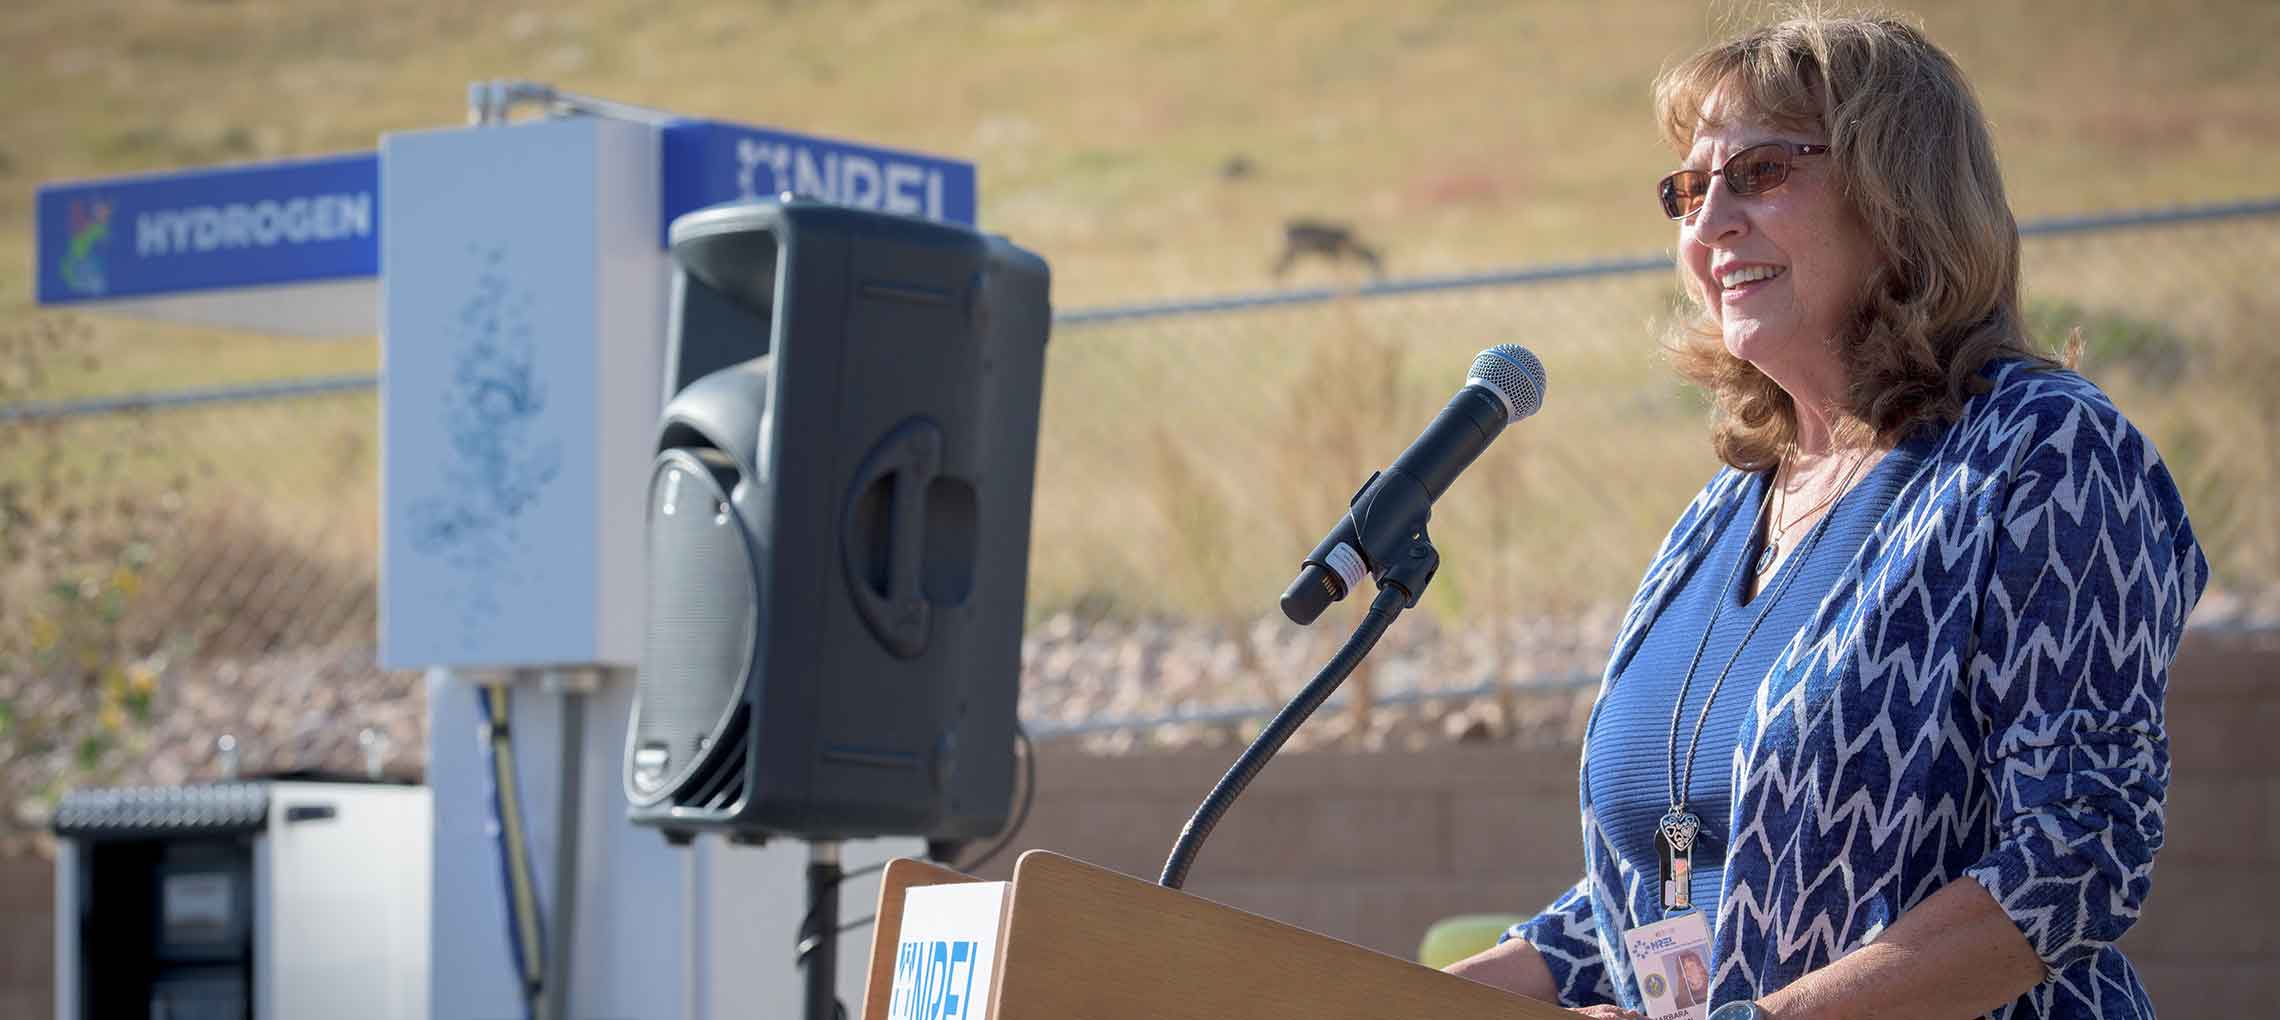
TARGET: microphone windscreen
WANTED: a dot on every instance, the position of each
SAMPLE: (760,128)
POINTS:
(1514,374)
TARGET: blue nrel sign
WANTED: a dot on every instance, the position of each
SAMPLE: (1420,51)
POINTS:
(709,162)
(169,233)
(307,221)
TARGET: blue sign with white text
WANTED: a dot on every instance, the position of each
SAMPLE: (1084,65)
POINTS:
(710,162)
(246,226)
(305,221)
(934,980)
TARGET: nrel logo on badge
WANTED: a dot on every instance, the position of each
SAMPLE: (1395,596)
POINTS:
(934,980)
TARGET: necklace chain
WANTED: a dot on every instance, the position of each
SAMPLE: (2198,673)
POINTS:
(1776,529)
(1679,786)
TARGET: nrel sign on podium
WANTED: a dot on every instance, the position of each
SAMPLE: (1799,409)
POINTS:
(946,952)
(524,320)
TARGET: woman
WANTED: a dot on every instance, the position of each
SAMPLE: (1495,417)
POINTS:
(1883,726)
(1693,978)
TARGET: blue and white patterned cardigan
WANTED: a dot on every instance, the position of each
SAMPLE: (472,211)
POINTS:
(1979,696)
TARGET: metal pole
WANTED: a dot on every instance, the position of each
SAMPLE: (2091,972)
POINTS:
(490,102)
(561,942)
(819,940)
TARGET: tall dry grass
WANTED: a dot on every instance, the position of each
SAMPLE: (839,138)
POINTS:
(1454,135)
(1186,465)
(137,546)
(166,575)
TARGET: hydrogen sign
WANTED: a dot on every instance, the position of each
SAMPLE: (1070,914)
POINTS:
(710,162)
(317,220)
(273,223)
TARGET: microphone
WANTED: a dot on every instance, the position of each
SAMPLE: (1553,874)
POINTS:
(1382,535)
(1505,384)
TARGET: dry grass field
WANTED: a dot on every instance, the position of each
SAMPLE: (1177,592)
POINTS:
(1147,151)
(1455,134)
(1155,150)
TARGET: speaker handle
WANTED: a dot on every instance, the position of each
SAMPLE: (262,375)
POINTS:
(912,455)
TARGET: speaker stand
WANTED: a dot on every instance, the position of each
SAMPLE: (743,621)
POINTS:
(819,936)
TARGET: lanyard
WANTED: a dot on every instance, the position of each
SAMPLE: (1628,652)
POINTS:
(1675,832)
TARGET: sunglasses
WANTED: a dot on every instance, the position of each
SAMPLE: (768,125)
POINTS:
(1756,169)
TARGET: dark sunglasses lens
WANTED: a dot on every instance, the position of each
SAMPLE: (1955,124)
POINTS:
(1682,193)
(1757,169)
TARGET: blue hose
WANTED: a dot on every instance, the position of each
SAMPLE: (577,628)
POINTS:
(526,928)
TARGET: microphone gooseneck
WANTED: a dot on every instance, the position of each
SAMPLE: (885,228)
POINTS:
(1383,536)
(1388,604)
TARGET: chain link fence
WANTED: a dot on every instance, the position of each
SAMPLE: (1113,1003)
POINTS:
(172,573)
(1188,461)
(177,569)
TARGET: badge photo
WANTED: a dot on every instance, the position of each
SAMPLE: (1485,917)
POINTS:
(1670,961)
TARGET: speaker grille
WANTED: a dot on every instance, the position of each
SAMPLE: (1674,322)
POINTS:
(704,605)
(718,783)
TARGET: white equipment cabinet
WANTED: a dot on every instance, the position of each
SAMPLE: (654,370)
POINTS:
(243,901)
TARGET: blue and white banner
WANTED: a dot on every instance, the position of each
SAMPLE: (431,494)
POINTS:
(301,221)
(307,221)
(710,162)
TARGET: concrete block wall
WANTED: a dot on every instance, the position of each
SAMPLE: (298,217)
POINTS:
(2209,942)
(1372,848)
(27,937)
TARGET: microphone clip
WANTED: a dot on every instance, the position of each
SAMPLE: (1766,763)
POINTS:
(1411,570)
(1375,539)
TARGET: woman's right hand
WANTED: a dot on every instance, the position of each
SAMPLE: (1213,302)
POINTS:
(1515,966)
(1512,965)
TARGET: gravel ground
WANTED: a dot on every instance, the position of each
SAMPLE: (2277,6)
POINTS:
(1095,682)
(296,711)
(1101,685)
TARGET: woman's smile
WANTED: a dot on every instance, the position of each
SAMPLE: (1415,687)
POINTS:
(1742,280)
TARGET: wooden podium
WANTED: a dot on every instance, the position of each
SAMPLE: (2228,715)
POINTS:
(1079,942)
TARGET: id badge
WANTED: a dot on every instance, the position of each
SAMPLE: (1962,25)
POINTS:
(1670,959)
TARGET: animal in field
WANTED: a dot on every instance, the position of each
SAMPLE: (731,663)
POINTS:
(1323,239)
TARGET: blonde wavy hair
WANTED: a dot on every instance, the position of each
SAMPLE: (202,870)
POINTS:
(1915,162)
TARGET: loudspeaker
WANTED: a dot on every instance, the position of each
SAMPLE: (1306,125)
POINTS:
(838,527)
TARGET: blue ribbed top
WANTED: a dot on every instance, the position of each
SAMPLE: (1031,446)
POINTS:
(1626,769)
